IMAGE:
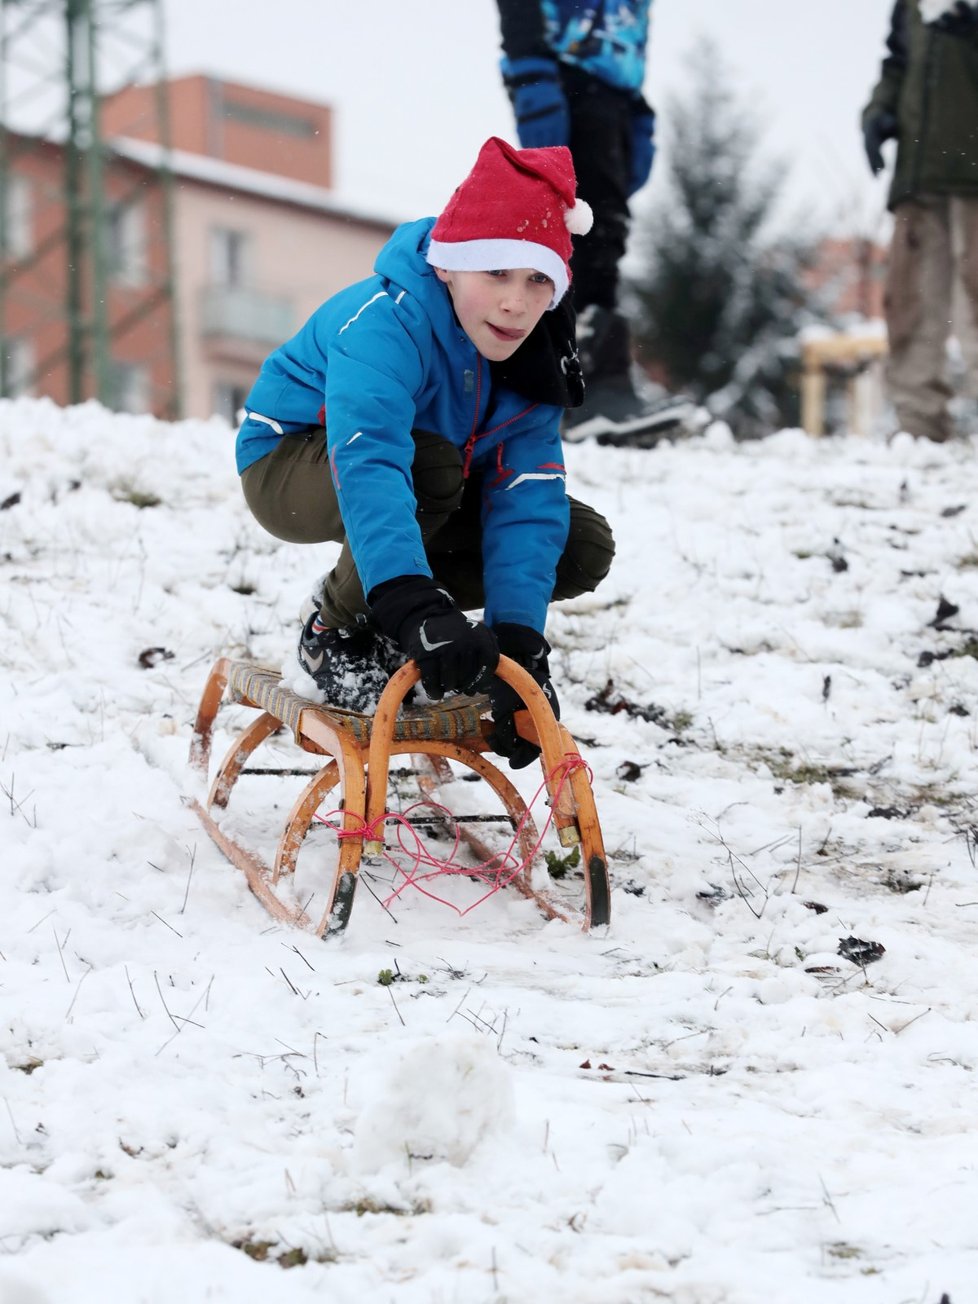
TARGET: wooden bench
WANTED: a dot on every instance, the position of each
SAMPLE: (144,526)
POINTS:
(845,357)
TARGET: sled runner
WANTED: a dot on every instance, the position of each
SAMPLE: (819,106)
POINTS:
(359,748)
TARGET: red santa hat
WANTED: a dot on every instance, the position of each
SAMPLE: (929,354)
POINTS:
(516,208)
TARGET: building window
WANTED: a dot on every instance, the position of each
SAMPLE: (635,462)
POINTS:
(16,219)
(229,400)
(126,243)
(275,120)
(16,367)
(128,387)
(230,257)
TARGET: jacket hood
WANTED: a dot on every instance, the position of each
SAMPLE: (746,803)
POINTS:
(402,264)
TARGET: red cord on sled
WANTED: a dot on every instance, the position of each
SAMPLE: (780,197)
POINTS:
(497,872)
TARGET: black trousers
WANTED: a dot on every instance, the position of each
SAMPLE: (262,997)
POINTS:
(601,146)
(291,494)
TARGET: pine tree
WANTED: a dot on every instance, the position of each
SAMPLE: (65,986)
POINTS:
(718,302)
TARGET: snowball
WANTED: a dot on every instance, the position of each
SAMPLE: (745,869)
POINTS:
(437,1100)
(17,1290)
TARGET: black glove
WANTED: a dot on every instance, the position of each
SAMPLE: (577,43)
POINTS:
(453,653)
(530,649)
(960,20)
(539,102)
(878,127)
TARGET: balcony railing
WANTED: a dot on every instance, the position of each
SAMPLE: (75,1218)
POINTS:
(245,314)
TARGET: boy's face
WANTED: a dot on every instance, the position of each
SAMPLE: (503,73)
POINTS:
(498,309)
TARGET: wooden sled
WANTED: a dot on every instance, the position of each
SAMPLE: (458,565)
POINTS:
(360,748)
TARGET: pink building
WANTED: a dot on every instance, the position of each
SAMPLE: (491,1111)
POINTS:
(260,239)
(850,274)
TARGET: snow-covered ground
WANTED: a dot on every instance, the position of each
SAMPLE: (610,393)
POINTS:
(705,1103)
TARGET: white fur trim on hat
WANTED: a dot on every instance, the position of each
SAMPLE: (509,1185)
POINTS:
(493,255)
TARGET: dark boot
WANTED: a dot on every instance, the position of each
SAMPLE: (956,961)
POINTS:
(614,411)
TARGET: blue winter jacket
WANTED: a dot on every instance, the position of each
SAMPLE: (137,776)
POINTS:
(387,356)
(606,38)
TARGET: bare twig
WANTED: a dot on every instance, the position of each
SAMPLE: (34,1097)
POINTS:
(827,1199)
(61,955)
(294,948)
(736,863)
(794,886)
(204,996)
(303,995)
(190,874)
(390,992)
(364,878)
(156,979)
(464,995)
(721,996)
(502,1031)
(904,1026)
(13,1125)
(163,921)
(77,990)
(132,993)
(17,806)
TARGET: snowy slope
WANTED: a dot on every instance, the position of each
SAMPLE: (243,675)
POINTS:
(706,1103)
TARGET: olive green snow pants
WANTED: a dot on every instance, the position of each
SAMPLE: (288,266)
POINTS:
(291,494)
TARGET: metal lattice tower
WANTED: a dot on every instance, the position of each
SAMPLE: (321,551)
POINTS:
(60,61)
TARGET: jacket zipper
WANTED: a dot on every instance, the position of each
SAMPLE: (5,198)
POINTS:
(469,448)
(474,436)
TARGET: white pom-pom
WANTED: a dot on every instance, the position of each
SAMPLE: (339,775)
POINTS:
(579,219)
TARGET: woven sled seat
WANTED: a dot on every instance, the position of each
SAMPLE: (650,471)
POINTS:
(261,686)
(359,748)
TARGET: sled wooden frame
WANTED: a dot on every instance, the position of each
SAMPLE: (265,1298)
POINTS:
(360,748)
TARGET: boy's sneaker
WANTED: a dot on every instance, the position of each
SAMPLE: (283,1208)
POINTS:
(350,666)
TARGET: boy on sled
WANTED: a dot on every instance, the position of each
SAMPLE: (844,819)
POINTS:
(415,420)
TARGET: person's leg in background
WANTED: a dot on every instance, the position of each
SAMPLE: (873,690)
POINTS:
(918,311)
(614,410)
(600,144)
(964,248)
